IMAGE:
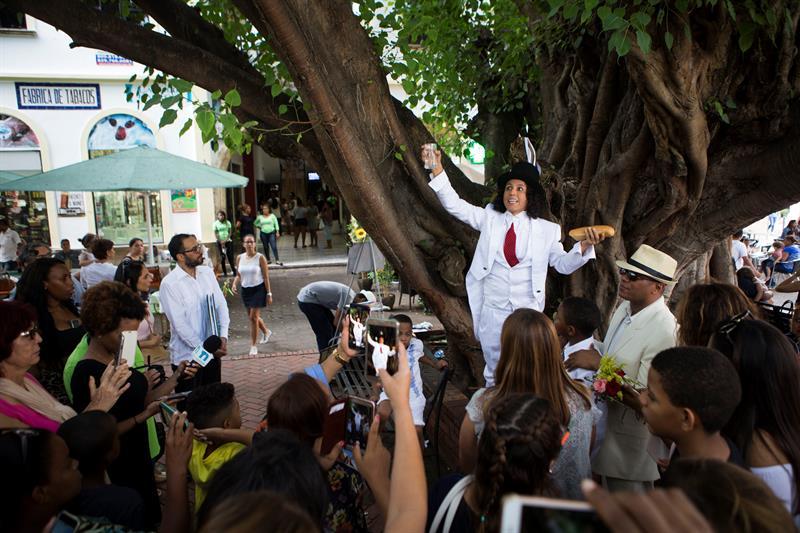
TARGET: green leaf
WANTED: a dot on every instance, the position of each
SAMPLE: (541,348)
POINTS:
(153,100)
(282,109)
(682,5)
(186,126)
(731,9)
(640,19)
(216,94)
(624,47)
(168,118)
(171,100)
(275,90)
(669,40)
(233,98)
(132,78)
(747,32)
(182,86)
(398,156)
(205,121)
(229,122)
(644,41)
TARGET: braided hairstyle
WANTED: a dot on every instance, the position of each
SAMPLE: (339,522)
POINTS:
(521,439)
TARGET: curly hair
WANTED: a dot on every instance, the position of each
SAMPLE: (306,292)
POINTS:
(105,304)
(705,305)
(521,439)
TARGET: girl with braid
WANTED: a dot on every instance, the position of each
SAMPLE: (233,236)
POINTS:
(521,441)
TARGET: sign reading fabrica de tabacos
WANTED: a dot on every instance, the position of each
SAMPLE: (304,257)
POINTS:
(58,95)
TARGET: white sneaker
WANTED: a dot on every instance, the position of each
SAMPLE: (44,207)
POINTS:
(265,337)
(253,350)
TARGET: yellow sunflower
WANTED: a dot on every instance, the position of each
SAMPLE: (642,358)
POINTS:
(360,233)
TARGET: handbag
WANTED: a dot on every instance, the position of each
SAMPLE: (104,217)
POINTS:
(450,505)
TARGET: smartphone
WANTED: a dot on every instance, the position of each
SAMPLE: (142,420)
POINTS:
(176,396)
(382,338)
(359,414)
(127,348)
(167,412)
(359,314)
(348,420)
(333,428)
(522,514)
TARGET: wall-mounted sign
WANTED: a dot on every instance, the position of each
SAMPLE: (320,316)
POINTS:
(104,58)
(184,201)
(57,95)
(71,204)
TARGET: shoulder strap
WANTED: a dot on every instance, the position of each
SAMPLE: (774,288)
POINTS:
(450,505)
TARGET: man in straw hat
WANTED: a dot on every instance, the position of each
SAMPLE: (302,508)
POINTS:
(515,248)
(642,326)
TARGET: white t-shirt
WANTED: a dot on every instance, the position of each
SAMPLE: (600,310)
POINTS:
(94,273)
(9,241)
(738,253)
(416,396)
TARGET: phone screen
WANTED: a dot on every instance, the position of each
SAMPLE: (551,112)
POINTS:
(358,420)
(532,514)
(359,314)
(167,412)
(382,336)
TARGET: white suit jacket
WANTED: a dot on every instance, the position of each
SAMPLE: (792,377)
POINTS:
(623,453)
(544,241)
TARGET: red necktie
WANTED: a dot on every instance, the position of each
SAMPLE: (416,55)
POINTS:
(510,247)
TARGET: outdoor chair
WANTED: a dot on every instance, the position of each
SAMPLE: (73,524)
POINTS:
(435,406)
(779,316)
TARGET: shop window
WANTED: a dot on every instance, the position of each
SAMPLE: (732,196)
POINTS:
(25,211)
(121,216)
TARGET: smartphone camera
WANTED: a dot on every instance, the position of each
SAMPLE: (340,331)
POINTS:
(382,338)
(358,420)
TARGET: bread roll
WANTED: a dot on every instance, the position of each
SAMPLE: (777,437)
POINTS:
(579,234)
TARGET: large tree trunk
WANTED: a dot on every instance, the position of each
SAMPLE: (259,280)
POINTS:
(626,142)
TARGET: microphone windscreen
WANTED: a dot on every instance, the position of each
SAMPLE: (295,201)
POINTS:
(212,344)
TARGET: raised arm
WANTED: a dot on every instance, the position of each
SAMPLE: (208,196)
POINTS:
(461,209)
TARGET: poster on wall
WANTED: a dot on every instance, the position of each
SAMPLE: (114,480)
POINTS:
(119,132)
(71,204)
(42,95)
(184,201)
(16,134)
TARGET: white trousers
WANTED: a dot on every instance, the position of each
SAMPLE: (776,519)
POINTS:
(489,329)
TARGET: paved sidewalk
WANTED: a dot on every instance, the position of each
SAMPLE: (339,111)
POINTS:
(257,377)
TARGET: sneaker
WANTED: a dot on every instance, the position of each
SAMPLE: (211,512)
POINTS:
(279,263)
(265,337)
(253,350)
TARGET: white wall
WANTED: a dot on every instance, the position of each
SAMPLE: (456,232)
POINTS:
(43,55)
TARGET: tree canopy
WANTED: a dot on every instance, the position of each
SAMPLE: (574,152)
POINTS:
(673,121)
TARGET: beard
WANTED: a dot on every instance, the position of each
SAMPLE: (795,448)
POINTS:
(194,263)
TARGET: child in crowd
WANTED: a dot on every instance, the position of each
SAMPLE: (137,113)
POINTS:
(416,355)
(692,393)
(212,406)
(93,440)
(576,321)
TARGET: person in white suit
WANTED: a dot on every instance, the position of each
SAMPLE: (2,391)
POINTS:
(515,248)
(641,327)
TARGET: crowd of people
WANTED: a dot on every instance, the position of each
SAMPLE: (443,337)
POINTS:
(703,434)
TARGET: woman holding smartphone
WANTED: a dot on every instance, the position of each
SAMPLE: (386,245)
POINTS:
(110,308)
(252,271)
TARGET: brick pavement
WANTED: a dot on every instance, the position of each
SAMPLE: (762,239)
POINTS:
(256,377)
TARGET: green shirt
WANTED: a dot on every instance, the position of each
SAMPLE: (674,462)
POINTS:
(222,230)
(267,224)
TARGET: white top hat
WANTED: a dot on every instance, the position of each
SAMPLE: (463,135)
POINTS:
(652,263)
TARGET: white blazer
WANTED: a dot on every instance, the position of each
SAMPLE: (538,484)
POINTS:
(623,453)
(544,240)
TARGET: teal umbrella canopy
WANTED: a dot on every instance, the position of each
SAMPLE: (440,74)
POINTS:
(8,176)
(138,169)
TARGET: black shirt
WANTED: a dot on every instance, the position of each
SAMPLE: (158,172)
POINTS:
(118,505)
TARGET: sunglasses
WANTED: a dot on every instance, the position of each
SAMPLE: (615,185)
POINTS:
(635,276)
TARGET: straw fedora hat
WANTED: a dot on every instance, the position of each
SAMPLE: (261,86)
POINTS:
(651,263)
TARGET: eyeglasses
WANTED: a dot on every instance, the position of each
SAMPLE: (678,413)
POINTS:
(728,327)
(194,249)
(635,276)
(31,333)
(24,434)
